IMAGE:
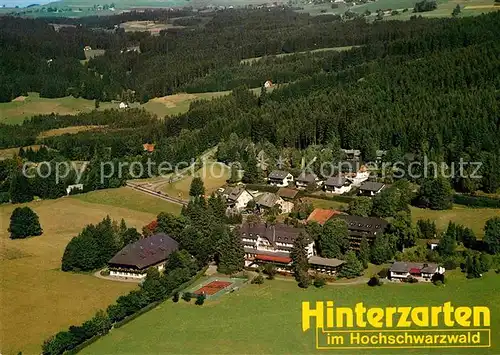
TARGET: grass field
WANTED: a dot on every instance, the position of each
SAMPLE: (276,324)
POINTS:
(130,199)
(152,27)
(474,218)
(23,107)
(326,204)
(214,175)
(266,319)
(67,130)
(336,49)
(38,299)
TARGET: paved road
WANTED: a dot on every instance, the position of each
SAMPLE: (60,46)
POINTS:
(156,194)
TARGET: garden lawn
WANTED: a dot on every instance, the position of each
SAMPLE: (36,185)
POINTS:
(266,319)
(474,218)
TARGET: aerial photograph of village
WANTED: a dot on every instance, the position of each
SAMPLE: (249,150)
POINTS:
(249,177)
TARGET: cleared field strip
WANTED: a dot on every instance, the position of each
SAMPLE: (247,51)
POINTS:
(336,49)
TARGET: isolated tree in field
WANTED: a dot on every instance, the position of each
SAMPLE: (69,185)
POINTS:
(24,223)
(361,206)
(300,262)
(364,252)
(426,229)
(20,189)
(334,239)
(492,235)
(352,267)
(231,253)
(197,188)
(456,11)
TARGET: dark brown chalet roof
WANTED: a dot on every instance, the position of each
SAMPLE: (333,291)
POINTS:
(337,181)
(282,233)
(278,174)
(371,186)
(307,177)
(145,252)
(357,224)
(287,193)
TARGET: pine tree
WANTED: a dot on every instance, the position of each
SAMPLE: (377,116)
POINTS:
(364,252)
(235,174)
(251,174)
(298,254)
(380,251)
(197,187)
(361,206)
(24,223)
(447,244)
(217,207)
(231,253)
(352,267)
(20,189)
(492,235)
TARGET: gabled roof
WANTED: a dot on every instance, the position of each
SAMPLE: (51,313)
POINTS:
(233,193)
(282,233)
(148,147)
(316,260)
(278,174)
(401,266)
(371,186)
(363,224)
(267,199)
(337,181)
(307,177)
(145,252)
(321,215)
(287,193)
(274,258)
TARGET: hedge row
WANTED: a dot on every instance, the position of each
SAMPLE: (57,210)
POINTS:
(154,304)
(154,290)
(476,201)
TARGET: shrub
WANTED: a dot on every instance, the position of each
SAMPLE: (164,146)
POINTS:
(175,297)
(411,280)
(104,272)
(270,271)
(374,281)
(438,278)
(4,197)
(319,281)
(438,283)
(200,300)
(186,296)
(258,280)
(383,273)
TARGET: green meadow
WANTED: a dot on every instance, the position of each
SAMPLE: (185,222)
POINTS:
(266,319)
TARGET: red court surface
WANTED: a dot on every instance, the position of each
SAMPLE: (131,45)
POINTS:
(212,288)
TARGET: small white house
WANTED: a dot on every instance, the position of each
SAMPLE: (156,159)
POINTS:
(280,178)
(401,271)
(268,84)
(337,185)
(306,179)
(123,105)
(371,188)
(237,198)
(74,187)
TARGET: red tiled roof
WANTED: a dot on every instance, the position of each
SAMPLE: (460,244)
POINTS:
(415,270)
(321,215)
(149,147)
(278,259)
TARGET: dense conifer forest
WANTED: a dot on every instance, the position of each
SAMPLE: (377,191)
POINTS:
(425,86)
